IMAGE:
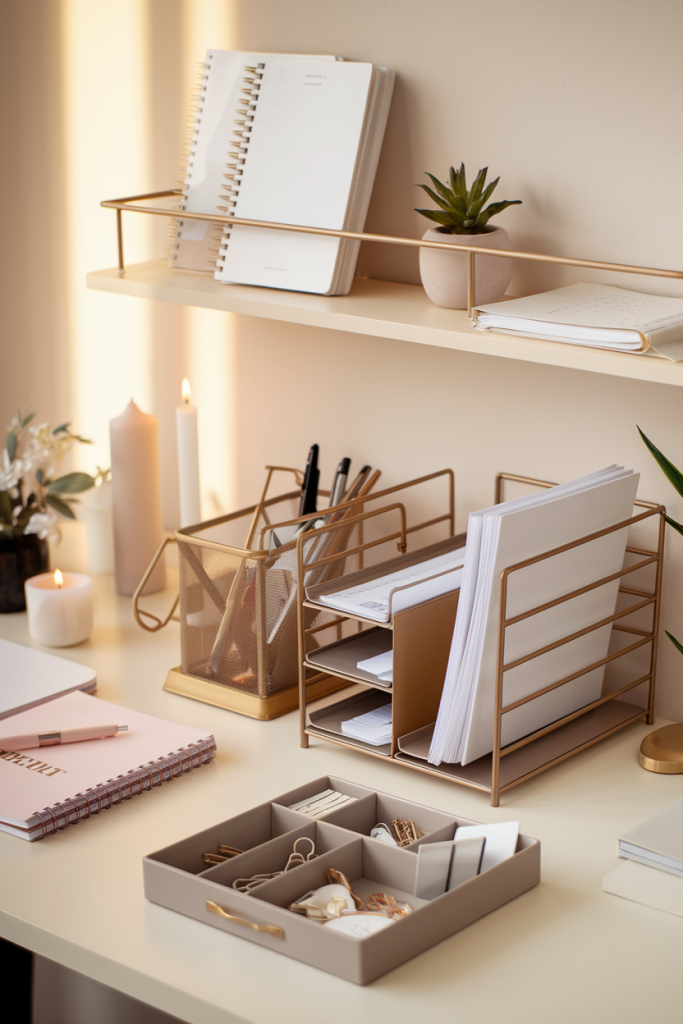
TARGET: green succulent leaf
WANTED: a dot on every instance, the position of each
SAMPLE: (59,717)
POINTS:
(443,203)
(5,507)
(59,506)
(72,483)
(444,219)
(673,475)
(11,444)
(61,428)
(442,189)
(674,641)
(463,209)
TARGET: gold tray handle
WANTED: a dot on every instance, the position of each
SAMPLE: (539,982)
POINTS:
(140,612)
(270,928)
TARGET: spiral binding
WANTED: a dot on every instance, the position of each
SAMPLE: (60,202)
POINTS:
(193,131)
(249,96)
(123,787)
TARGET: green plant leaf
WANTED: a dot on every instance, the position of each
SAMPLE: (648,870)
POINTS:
(674,641)
(71,483)
(673,475)
(61,428)
(444,219)
(27,419)
(443,203)
(11,444)
(479,182)
(674,524)
(39,476)
(5,507)
(25,514)
(458,181)
(59,506)
(442,189)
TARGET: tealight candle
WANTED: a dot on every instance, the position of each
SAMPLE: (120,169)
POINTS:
(59,607)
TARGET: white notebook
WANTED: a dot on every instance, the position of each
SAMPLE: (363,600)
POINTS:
(596,315)
(29,677)
(306,155)
(658,841)
(196,243)
(502,536)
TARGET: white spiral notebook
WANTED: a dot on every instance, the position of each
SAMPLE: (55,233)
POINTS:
(289,140)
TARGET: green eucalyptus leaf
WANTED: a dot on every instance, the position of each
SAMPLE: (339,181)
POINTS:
(39,476)
(27,419)
(59,506)
(71,483)
(11,444)
(61,428)
(674,641)
(673,475)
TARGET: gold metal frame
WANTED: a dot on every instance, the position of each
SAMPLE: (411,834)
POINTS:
(646,598)
(131,204)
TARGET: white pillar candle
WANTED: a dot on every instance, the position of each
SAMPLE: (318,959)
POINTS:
(59,607)
(100,528)
(136,499)
(188,459)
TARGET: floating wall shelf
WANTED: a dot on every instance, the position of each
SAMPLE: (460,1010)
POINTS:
(379,309)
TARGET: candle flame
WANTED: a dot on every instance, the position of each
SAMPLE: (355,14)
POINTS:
(185,390)
(59,579)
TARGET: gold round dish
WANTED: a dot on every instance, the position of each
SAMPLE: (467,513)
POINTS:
(662,750)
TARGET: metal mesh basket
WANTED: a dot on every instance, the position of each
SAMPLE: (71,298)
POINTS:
(238,607)
(238,611)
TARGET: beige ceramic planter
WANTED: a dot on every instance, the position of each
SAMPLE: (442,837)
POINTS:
(444,274)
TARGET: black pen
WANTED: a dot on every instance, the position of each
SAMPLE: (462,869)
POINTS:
(309,490)
(339,482)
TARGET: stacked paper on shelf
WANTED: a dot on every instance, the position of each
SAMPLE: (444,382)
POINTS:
(373,727)
(380,598)
(505,535)
(382,666)
(596,315)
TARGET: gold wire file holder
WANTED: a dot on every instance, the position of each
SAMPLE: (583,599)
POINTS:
(421,645)
(238,595)
(131,204)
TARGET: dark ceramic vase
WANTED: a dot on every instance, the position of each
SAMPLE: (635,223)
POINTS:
(20,558)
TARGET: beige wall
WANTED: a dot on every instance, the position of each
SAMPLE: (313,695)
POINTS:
(576,104)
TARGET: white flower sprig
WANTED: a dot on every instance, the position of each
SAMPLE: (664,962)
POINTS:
(35,472)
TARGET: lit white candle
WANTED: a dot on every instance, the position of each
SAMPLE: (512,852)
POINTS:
(188,459)
(59,607)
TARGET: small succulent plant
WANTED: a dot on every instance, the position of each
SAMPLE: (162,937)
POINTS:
(463,212)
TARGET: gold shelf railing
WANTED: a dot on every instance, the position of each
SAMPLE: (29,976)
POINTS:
(131,204)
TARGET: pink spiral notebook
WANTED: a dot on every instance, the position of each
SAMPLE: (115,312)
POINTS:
(48,788)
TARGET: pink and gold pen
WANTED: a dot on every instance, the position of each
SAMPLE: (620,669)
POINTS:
(29,740)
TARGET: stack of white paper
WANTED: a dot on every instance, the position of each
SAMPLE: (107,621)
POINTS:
(374,727)
(382,666)
(502,536)
(380,598)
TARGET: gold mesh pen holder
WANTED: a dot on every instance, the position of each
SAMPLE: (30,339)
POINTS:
(237,602)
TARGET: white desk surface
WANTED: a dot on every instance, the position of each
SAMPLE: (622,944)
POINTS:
(563,952)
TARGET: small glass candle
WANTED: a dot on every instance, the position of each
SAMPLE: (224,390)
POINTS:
(59,607)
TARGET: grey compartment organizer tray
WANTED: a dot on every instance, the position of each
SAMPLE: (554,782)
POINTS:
(176,877)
